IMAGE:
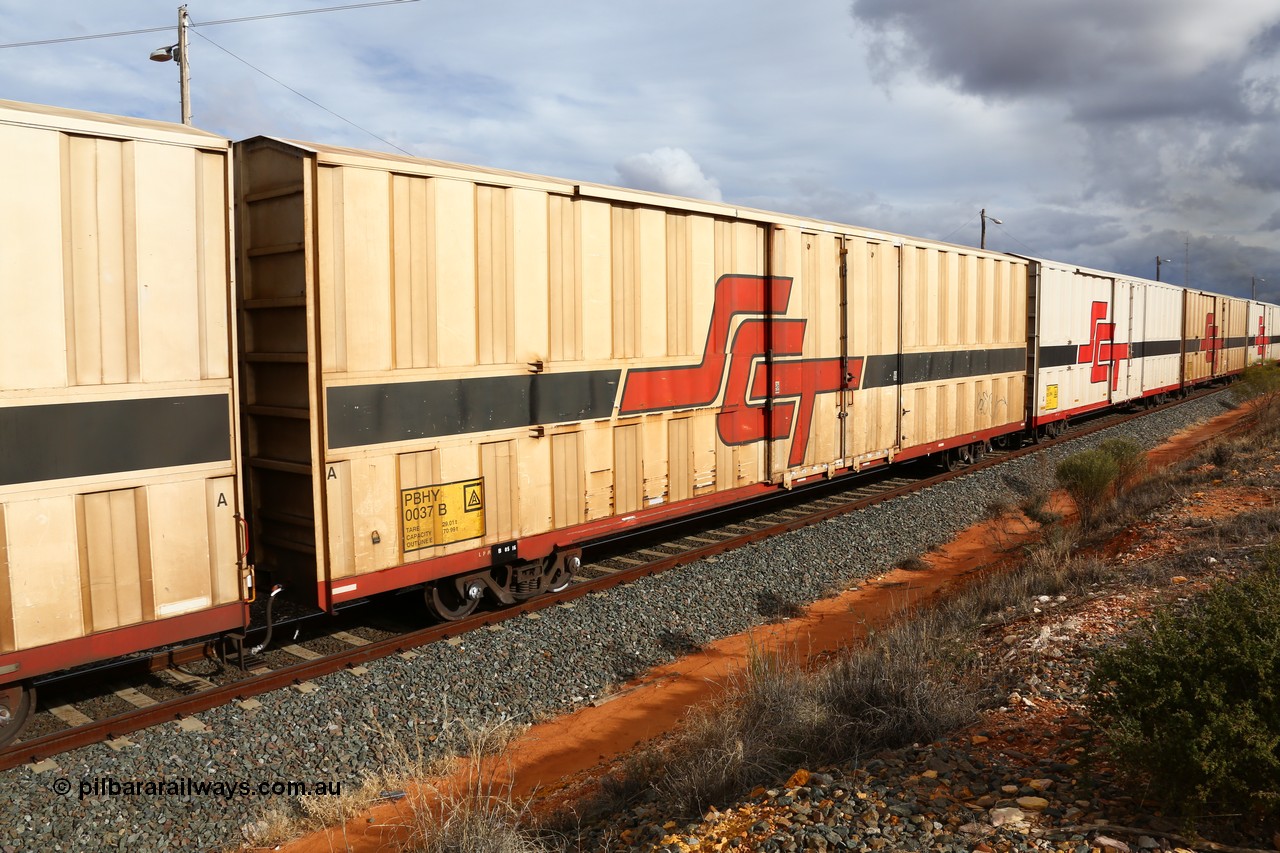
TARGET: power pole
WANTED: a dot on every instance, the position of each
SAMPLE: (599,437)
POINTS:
(983,214)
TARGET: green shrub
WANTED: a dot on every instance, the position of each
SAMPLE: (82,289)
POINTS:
(1129,458)
(1087,477)
(1191,702)
(1259,390)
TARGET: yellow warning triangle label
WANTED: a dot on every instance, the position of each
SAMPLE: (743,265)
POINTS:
(472,498)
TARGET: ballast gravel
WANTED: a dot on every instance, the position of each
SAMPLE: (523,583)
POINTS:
(199,785)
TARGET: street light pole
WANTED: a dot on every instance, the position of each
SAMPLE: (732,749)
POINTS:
(184,69)
(983,214)
(1254,281)
(178,53)
(1159,261)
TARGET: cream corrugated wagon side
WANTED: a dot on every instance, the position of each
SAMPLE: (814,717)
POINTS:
(119,493)
(455,376)
(1100,340)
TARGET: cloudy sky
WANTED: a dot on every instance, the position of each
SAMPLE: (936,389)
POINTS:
(1102,132)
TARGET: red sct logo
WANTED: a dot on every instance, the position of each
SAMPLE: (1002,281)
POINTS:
(1100,352)
(742,371)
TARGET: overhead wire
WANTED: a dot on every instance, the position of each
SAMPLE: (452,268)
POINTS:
(66,39)
(197,24)
(1016,240)
(304,97)
(956,230)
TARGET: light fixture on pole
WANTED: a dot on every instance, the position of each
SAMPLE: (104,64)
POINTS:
(178,53)
(1159,261)
(984,216)
(1254,280)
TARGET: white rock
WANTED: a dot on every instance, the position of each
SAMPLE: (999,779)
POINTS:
(1009,814)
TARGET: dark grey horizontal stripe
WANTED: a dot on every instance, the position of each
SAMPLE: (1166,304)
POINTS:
(55,442)
(401,411)
(1197,344)
(880,371)
(1060,355)
(1151,349)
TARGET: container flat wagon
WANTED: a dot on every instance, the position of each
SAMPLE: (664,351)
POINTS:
(119,456)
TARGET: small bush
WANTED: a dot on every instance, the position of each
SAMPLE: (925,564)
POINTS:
(1191,702)
(1088,477)
(1129,458)
(1222,453)
(1259,390)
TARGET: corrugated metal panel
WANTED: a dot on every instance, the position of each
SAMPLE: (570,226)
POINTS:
(116,377)
(1161,352)
(102,125)
(1081,341)
(1234,332)
(1200,336)
(963,348)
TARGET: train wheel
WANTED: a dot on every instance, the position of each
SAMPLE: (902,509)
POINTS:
(449,601)
(17,701)
(561,574)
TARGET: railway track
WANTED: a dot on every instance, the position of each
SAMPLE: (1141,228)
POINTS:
(104,704)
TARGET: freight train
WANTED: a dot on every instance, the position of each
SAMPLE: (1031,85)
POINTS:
(387,372)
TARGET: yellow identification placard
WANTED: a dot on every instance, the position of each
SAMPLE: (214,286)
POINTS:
(438,515)
(1051,396)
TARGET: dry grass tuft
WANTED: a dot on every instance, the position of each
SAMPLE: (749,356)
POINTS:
(479,815)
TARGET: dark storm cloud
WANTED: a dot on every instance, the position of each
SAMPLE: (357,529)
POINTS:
(1255,154)
(1178,101)
(1105,61)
